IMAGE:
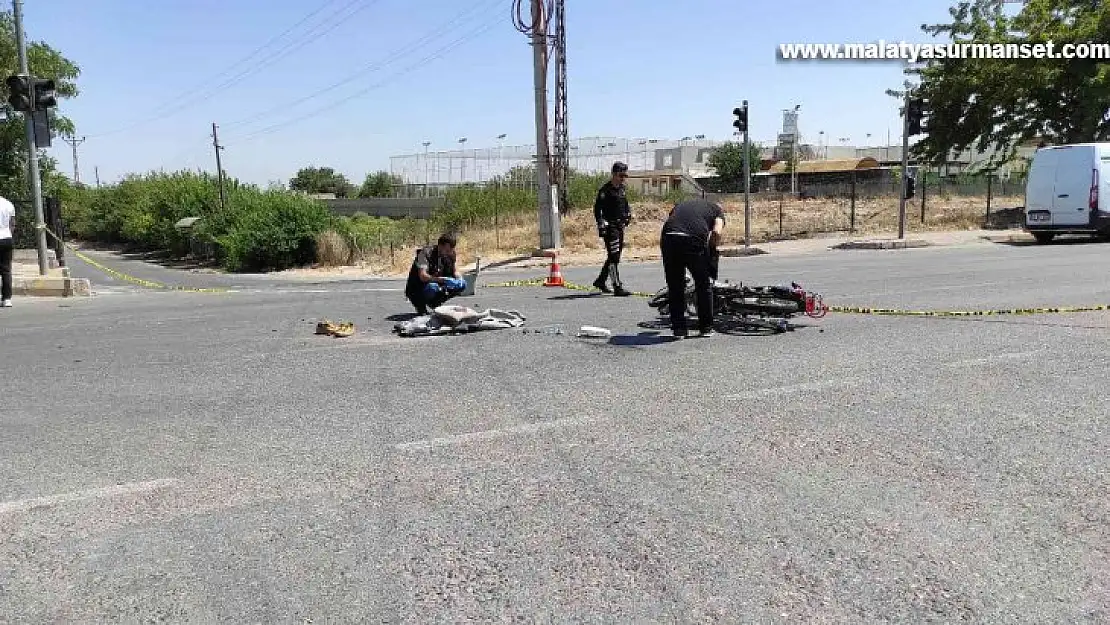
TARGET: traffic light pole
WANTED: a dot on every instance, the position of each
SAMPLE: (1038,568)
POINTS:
(32,150)
(747,183)
(905,165)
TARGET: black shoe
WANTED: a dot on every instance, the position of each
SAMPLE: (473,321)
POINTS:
(619,291)
(600,285)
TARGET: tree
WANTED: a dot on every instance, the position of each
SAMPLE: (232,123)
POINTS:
(379,184)
(321,180)
(727,160)
(43,61)
(984,103)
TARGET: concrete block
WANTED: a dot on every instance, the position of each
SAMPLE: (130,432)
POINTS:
(31,257)
(51,286)
(881,244)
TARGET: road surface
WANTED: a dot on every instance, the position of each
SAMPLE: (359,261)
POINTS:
(189,457)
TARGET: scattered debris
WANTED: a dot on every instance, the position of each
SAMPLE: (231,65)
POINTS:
(342,329)
(557,330)
(594,332)
(458,319)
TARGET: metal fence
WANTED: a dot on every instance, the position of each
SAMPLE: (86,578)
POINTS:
(587,155)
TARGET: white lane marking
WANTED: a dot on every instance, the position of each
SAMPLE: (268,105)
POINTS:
(107,492)
(524,428)
(993,358)
(802,387)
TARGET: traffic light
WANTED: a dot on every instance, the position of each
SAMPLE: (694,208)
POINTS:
(914,113)
(741,114)
(45,97)
(911,186)
(19,92)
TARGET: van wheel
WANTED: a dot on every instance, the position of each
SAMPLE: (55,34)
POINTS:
(1044,238)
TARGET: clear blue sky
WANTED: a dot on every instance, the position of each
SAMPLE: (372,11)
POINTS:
(650,68)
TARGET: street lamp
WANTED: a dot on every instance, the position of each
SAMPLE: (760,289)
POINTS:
(426,171)
(793,152)
(462,162)
(500,151)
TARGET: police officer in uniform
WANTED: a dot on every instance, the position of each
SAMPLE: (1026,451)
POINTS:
(434,277)
(613,214)
(689,241)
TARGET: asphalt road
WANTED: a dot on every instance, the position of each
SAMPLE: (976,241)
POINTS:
(204,458)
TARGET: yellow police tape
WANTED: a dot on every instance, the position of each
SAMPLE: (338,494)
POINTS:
(857,310)
(128,278)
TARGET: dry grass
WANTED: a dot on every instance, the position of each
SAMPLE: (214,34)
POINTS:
(332,250)
(518,234)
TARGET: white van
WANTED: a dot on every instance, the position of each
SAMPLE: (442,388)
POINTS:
(1068,191)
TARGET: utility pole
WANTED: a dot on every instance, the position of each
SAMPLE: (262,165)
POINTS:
(74,142)
(96,175)
(905,163)
(793,164)
(549,224)
(219,167)
(561,133)
(32,150)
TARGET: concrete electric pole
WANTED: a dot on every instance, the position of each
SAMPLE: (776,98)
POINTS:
(32,149)
(73,143)
(549,223)
(219,167)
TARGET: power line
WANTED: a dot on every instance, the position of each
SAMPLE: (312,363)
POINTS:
(274,39)
(196,95)
(376,65)
(428,59)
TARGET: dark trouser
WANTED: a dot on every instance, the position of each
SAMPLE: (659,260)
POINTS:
(681,253)
(714,262)
(614,245)
(7,248)
(433,296)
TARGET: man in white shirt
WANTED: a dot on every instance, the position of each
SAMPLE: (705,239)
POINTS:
(7,248)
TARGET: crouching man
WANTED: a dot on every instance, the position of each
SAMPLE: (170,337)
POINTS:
(434,277)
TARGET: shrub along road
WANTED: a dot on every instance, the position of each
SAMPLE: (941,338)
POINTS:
(195,457)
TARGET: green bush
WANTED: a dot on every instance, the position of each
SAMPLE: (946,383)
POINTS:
(274,229)
(266,230)
(258,230)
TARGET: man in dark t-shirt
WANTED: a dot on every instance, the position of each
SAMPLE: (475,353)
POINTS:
(688,242)
(434,277)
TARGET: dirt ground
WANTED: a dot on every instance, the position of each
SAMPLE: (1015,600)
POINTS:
(772,223)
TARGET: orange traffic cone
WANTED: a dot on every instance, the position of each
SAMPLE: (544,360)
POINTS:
(556,276)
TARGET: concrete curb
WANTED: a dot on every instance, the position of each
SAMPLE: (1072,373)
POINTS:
(1009,238)
(734,251)
(882,244)
(51,286)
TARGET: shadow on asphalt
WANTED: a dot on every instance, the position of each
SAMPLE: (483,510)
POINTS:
(1076,240)
(575,296)
(724,326)
(642,339)
(402,317)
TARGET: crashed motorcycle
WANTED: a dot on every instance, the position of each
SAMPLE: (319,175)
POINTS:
(750,308)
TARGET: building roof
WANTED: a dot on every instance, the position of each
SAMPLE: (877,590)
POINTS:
(826,166)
